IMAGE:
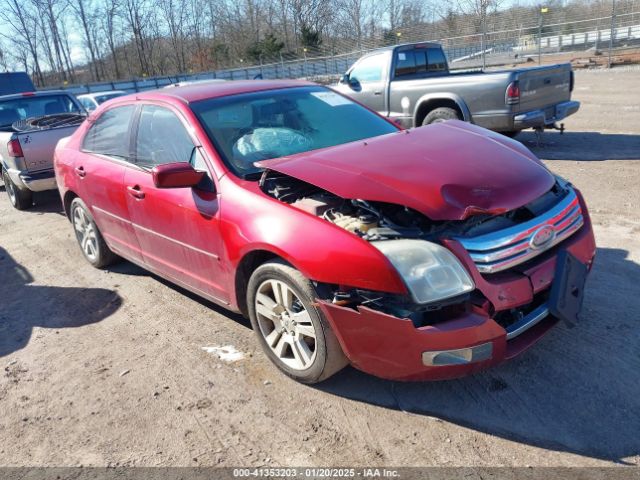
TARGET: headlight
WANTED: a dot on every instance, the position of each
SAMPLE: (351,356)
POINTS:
(430,272)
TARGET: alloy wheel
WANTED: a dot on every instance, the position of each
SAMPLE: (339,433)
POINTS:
(86,234)
(285,324)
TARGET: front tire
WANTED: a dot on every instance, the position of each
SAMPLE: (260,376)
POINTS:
(441,114)
(292,332)
(20,199)
(90,240)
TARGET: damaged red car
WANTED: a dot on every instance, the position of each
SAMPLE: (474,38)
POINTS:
(417,254)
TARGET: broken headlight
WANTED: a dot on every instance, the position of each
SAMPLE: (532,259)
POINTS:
(430,271)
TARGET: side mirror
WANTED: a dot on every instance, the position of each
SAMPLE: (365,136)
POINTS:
(344,78)
(176,175)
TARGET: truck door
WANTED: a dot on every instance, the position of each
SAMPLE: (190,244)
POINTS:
(367,82)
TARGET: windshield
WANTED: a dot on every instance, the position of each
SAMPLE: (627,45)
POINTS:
(256,126)
(36,106)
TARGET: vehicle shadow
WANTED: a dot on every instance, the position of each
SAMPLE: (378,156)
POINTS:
(585,146)
(25,306)
(575,391)
(127,268)
(46,202)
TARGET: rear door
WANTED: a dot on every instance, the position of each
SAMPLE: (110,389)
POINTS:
(105,153)
(544,87)
(177,228)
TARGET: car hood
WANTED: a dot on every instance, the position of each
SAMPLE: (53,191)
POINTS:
(447,171)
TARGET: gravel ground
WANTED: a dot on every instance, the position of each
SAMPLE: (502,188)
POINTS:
(108,367)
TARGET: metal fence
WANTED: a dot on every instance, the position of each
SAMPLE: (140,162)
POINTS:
(533,41)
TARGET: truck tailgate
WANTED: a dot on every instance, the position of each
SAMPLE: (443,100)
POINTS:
(38,146)
(544,86)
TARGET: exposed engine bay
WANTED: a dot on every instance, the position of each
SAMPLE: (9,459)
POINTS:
(378,221)
(382,221)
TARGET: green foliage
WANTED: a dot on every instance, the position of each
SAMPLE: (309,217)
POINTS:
(269,48)
(310,38)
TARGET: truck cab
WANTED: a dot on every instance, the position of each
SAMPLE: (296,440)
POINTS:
(412,84)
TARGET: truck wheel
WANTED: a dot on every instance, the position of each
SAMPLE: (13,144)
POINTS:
(93,246)
(441,114)
(20,199)
(292,332)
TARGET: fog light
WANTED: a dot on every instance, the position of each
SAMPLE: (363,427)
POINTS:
(460,356)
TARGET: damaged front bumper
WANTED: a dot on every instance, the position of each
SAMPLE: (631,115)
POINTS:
(394,348)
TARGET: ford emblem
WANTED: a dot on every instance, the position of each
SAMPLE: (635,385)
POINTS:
(542,237)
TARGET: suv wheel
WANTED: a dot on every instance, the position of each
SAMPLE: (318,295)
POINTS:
(93,246)
(292,332)
(20,199)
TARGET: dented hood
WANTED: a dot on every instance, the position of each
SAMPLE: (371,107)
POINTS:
(447,171)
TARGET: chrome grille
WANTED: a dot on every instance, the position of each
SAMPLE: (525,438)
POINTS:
(503,249)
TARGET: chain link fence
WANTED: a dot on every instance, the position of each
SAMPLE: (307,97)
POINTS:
(543,37)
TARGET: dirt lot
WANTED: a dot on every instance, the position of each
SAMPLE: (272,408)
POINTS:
(107,367)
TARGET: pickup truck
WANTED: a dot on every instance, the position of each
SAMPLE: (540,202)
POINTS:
(412,85)
(30,126)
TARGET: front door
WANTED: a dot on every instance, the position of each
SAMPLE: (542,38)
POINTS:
(367,82)
(177,228)
(100,167)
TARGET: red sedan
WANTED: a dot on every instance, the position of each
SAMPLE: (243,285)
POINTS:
(421,254)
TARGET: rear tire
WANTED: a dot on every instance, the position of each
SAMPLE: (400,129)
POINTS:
(90,240)
(20,199)
(292,332)
(441,114)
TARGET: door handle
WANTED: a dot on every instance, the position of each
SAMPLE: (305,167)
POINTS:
(80,171)
(136,192)
(377,92)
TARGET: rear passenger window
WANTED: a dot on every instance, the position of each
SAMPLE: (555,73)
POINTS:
(437,62)
(405,63)
(410,62)
(109,135)
(162,138)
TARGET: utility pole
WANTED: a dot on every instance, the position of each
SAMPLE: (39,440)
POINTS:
(543,10)
(613,30)
(483,38)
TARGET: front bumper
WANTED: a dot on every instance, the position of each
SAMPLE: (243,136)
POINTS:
(36,182)
(393,348)
(542,118)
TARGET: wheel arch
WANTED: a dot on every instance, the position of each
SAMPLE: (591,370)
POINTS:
(69,196)
(248,264)
(430,102)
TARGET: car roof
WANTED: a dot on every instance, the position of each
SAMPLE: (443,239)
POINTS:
(203,91)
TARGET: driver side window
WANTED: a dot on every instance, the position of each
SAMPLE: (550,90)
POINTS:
(162,138)
(369,69)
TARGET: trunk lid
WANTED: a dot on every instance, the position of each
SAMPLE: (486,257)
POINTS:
(446,171)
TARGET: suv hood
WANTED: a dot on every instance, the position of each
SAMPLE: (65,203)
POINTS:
(447,171)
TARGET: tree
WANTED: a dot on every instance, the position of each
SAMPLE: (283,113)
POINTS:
(270,48)
(310,38)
